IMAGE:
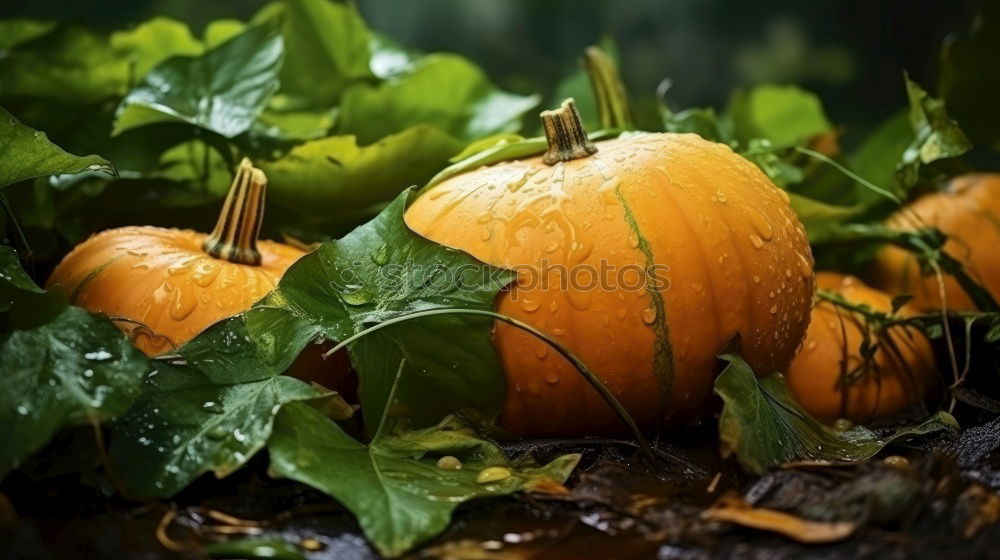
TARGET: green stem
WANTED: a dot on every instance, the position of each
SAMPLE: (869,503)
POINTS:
(609,90)
(580,366)
(852,175)
(564,133)
(22,239)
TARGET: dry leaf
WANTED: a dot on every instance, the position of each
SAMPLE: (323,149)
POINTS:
(732,509)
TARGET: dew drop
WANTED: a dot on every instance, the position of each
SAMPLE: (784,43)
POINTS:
(648,315)
(756,241)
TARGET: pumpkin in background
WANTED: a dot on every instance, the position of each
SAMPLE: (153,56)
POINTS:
(701,247)
(164,286)
(896,378)
(968,212)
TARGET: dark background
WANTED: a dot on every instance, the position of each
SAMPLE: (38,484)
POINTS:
(851,52)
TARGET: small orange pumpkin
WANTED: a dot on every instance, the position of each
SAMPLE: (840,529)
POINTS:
(968,212)
(164,286)
(659,248)
(896,378)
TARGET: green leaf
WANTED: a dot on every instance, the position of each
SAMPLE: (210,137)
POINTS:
(223,90)
(154,41)
(819,217)
(394,486)
(327,47)
(77,368)
(784,115)
(221,30)
(336,178)
(211,409)
(446,91)
(876,157)
(500,151)
(27,153)
(762,425)
(380,271)
(701,121)
(69,63)
(936,136)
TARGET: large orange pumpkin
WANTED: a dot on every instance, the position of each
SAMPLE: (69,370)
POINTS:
(164,286)
(897,377)
(968,212)
(694,244)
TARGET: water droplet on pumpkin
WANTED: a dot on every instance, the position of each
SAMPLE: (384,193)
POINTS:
(530,304)
(648,315)
(773,310)
(721,197)
(761,225)
(756,279)
(541,351)
(621,312)
(804,266)
(551,378)
(756,241)
(633,240)
(183,305)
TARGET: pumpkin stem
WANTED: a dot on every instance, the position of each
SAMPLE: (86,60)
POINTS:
(565,134)
(235,235)
(609,90)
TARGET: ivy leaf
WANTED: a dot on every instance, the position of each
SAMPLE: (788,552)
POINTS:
(762,425)
(446,91)
(26,153)
(380,271)
(223,90)
(211,409)
(328,40)
(936,136)
(394,486)
(336,178)
(76,368)
(154,41)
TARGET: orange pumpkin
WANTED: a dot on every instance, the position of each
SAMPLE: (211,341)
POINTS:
(164,286)
(968,212)
(897,377)
(669,245)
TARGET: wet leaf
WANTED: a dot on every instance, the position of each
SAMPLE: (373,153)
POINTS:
(209,410)
(27,153)
(763,427)
(443,90)
(71,370)
(381,271)
(732,509)
(13,279)
(395,486)
(223,90)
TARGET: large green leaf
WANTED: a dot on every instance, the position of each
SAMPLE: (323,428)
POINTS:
(210,409)
(784,115)
(762,425)
(154,41)
(327,46)
(380,271)
(13,279)
(27,153)
(69,63)
(394,486)
(223,90)
(444,90)
(336,177)
(77,368)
